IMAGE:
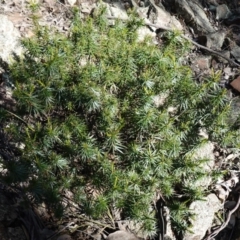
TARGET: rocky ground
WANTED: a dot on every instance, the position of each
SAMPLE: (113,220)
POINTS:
(213,28)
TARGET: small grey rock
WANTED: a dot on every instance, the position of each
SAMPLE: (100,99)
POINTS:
(120,235)
(225,53)
(194,15)
(204,214)
(71,2)
(222,12)
(236,52)
(9,39)
(235,111)
(215,40)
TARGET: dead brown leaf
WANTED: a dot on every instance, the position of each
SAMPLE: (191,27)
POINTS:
(236,83)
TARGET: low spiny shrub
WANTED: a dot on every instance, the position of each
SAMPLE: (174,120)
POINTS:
(97,109)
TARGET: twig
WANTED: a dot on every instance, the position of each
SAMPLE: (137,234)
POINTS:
(217,231)
(16,116)
(183,36)
(210,50)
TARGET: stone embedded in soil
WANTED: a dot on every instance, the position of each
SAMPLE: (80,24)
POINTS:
(215,40)
(204,214)
(161,17)
(194,15)
(9,39)
(71,2)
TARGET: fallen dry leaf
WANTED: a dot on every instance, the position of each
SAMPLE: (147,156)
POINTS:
(236,83)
